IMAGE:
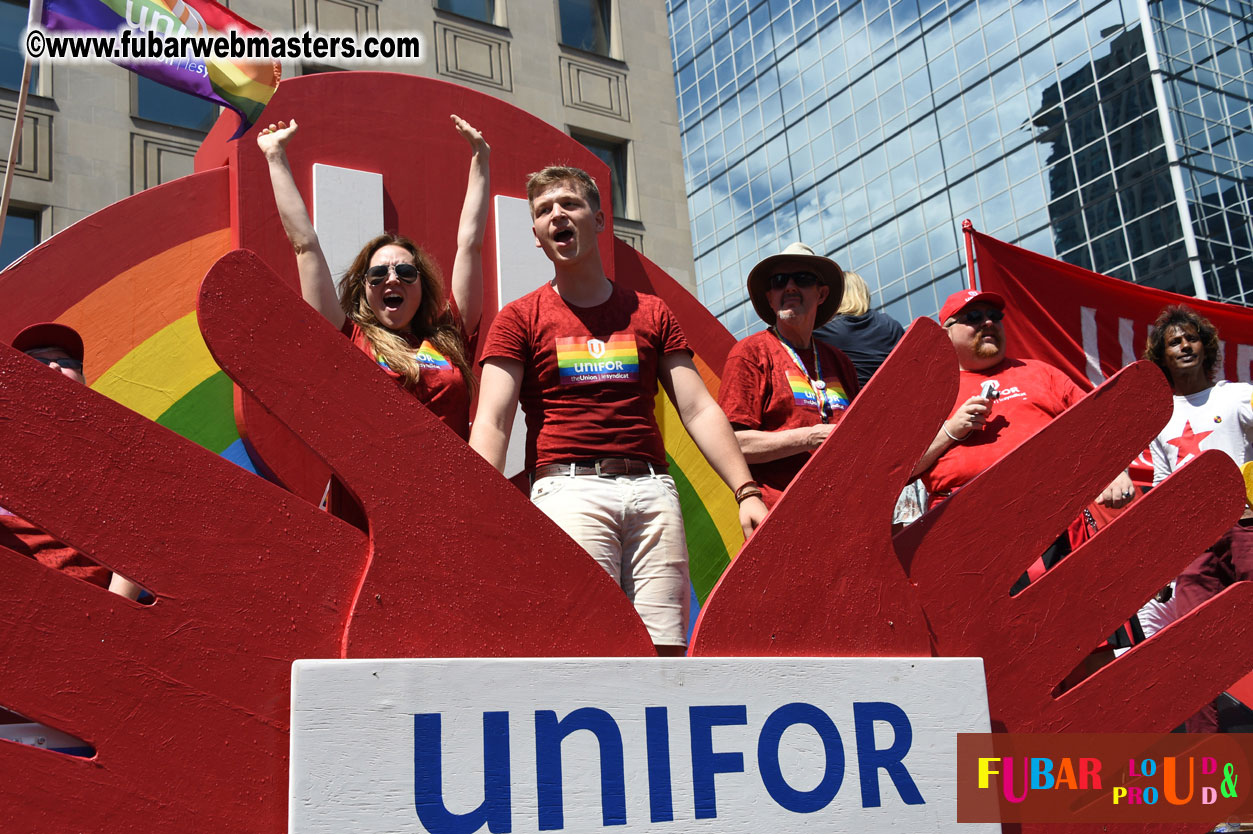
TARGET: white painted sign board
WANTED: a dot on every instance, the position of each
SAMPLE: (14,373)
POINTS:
(347,213)
(682,745)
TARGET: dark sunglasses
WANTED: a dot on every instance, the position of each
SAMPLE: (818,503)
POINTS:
(378,274)
(72,364)
(976,317)
(801,279)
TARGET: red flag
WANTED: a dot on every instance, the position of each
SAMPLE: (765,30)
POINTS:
(1088,324)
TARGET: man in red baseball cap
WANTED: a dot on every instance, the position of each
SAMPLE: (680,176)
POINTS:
(1000,401)
(56,345)
(61,349)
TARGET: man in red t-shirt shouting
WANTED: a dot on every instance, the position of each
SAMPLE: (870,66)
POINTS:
(584,356)
(1000,401)
(783,390)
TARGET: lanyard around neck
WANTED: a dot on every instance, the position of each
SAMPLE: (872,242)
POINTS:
(817,385)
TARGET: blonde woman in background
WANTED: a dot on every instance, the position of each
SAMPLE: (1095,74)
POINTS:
(864,335)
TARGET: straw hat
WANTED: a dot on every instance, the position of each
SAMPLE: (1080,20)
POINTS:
(827,270)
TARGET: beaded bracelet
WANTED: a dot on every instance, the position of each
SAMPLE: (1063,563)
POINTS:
(748,489)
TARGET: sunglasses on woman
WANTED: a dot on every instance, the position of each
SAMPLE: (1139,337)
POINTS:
(801,279)
(378,274)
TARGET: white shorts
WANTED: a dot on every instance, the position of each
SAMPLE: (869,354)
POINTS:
(634,528)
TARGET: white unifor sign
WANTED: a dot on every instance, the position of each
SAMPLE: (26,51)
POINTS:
(669,746)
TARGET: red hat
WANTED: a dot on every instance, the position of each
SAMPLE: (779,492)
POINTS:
(959,301)
(50,334)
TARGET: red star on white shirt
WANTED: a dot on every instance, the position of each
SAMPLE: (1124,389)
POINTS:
(1189,443)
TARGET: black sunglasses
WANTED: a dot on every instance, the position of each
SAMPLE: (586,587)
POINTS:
(72,364)
(378,274)
(975,317)
(801,279)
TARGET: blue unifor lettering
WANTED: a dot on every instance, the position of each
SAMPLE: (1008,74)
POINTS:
(892,759)
(549,733)
(428,781)
(706,764)
(800,802)
(495,809)
(660,797)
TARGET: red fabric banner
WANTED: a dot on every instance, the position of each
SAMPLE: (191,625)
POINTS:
(1088,324)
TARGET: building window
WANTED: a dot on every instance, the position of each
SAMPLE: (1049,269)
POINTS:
(484,10)
(21,233)
(159,103)
(12,23)
(585,24)
(614,155)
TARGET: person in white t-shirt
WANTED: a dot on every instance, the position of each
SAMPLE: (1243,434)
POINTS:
(1207,415)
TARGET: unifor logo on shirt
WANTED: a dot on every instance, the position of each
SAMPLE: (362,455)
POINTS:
(581,359)
(426,356)
(804,396)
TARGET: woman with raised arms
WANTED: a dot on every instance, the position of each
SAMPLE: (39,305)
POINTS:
(391,300)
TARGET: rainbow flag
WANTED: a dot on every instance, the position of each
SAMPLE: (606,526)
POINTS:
(239,85)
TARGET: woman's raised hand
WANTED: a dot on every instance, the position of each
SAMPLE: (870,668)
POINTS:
(274,138)
(477,143)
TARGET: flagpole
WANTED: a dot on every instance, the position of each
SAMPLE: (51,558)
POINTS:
(33,18)
(968,229)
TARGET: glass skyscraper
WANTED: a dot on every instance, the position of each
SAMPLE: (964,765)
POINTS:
(1114,134)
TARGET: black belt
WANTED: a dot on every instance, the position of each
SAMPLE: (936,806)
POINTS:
(602,468)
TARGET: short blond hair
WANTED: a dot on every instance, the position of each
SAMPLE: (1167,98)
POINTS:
(856,301)
(544,179)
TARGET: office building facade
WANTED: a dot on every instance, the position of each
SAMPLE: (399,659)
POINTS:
(597,69)
(1113,134)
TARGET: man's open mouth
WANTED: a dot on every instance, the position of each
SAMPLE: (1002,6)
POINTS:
(564,236)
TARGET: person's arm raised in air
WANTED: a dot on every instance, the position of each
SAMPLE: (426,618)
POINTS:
(467,267)
(317,287)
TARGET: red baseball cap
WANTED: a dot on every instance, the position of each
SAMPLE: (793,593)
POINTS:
(50,334)
(959,301)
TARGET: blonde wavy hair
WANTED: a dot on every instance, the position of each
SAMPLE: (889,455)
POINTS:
(433,320)
(856,301)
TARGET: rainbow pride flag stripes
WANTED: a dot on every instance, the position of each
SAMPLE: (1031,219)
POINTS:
(803,393)
(239,85)
(581,359)
(429,357)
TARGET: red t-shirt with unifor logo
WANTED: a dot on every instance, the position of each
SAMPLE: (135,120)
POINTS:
(441,386)
(590,373)
(1032,393)
(763,389)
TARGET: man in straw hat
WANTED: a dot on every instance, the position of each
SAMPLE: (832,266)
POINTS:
(783,391)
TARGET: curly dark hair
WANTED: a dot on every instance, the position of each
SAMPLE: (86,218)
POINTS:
(1182,316)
